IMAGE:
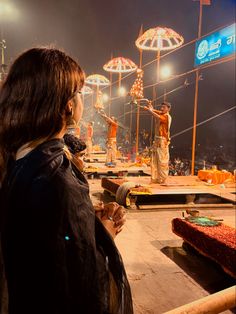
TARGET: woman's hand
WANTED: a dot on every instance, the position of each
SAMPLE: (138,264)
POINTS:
(112,215)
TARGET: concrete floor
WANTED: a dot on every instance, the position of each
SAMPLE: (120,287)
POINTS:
(161,273)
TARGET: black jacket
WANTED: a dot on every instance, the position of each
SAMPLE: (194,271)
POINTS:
(57,254)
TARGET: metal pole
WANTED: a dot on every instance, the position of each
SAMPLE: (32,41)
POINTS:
(119,82)
(154,95)
(97,92)
(152,118)
(130,125)
(196,96)
(109,105)
(158,64)
(138,111)
(137,129)
(124,109)
(92,99)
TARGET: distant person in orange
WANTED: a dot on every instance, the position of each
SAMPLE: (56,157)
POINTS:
(160,153)
(89,138)
(111,138)
(73,128)
(77,131)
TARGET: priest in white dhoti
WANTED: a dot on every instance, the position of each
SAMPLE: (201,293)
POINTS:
(160,149)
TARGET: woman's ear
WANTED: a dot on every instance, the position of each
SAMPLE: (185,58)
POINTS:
(69,108)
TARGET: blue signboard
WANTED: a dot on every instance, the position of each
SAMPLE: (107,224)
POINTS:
(215,46)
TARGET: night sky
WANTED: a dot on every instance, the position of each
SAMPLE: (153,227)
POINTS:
(92,30)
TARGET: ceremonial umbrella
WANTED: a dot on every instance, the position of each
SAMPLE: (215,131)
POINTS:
(86,90)
(159,39)
(97,80)
(119,65)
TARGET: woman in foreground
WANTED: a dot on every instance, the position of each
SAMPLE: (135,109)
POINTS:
(59,256)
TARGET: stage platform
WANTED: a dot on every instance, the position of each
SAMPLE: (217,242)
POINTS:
(98,157)
(187,191)
(98,170)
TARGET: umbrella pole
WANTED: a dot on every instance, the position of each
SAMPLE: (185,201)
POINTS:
(154,95)
(92,100)
(109,105)
(130,125)
(152,118)
(158,68)
(119,82)
(124,109)
(138,111)
(97,89)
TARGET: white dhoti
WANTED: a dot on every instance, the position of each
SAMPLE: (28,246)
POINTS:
(89,147)
(111,150)
(160,160)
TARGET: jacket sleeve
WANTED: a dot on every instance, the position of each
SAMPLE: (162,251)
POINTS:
(60,254)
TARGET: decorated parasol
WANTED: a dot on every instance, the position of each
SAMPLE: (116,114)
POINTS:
(86,90)
(120,65)
(97,80)
(159,39)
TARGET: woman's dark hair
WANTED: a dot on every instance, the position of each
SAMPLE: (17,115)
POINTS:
(33,98)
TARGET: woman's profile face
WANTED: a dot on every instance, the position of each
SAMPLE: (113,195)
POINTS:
(78,108)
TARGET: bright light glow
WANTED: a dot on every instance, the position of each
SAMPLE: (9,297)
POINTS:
(7,11)
(122,91)
(105,97)
(165,72)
